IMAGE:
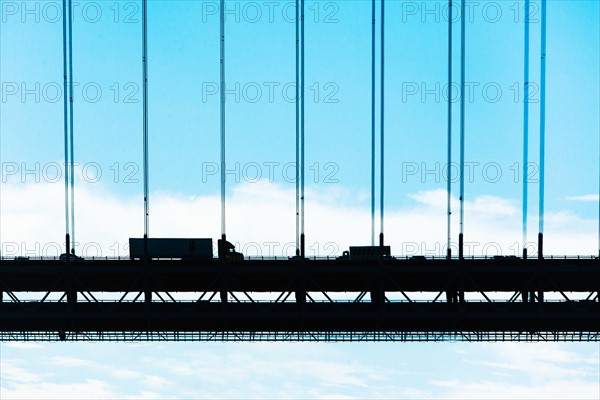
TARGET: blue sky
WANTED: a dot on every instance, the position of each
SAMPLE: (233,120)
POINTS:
(184,139)
(301,370)
(184,76)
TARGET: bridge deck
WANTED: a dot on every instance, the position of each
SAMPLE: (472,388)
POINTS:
(299,297)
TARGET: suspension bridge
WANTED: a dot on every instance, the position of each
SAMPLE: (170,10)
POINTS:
(371,296)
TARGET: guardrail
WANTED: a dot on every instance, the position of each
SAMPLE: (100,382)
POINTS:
(285,258)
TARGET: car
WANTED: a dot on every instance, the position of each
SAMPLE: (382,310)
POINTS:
(72,257)
(506,258)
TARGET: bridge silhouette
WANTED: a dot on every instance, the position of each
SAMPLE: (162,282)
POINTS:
(367,297)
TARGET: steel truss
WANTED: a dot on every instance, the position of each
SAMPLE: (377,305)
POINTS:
(299,300)
(350,337)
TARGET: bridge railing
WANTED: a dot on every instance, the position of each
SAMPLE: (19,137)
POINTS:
(285,258)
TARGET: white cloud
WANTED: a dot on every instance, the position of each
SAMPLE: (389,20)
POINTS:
(65,361)
(89,389)
(557,389)
(277,370)
(125,373)
(155,381)
(260,217)
(585,197)
(312,370)
(54,382)
(550,359)
(12,372)
(531,371)
(23,345)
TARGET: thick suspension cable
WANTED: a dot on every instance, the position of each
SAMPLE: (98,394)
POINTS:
(297,128)
(145,116)
(72,156)
(382,122)
(542,132)
(302,158)
(372,122)
(525,128)
(448,178)
(66,128)
(222,73)
(462,129)
(1,247)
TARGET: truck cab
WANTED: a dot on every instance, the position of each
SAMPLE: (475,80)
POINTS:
(227,251)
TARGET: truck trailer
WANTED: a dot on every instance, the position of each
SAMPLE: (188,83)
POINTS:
(186,249)
(366,253)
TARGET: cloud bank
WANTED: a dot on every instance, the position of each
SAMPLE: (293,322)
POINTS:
(261,221)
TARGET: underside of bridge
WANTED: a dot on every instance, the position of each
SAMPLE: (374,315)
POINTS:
(300,300)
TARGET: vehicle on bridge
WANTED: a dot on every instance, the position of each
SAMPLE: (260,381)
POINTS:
(506,258)
(366,253)
(72,257)
(186,249)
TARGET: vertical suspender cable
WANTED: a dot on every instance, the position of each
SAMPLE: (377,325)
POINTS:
(542,132)
(1,247)
(145,119)
(373,123)
(448,179)
(66,128)
(147,292)
(222,29)
(72,161)
(462,129)
(297,129)
(525,128)
(381,197)
(302,238)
